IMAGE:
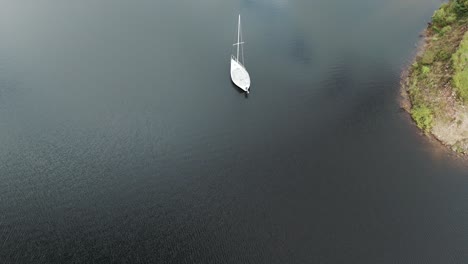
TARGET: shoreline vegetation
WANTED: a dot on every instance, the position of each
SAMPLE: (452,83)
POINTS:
(435,85)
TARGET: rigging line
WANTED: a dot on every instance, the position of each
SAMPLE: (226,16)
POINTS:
(242,47)
(238,38)
(233,49)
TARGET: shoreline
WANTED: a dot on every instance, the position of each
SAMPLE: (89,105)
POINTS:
(436,103)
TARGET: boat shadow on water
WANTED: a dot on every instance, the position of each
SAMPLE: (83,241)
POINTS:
(240,91)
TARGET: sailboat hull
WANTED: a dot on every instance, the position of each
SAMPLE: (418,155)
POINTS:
(239,75)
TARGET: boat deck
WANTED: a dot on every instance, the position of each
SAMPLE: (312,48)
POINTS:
(239,75)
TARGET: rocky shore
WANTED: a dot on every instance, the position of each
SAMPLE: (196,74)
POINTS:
(435,85)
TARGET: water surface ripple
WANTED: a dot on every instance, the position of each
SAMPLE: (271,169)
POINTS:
(123,140)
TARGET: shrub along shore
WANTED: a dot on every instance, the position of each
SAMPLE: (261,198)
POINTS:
(436,84)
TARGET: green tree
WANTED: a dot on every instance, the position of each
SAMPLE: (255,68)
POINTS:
(423,117)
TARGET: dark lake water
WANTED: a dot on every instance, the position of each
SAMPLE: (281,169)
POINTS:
(122,138)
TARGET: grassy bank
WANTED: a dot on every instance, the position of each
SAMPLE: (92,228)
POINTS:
(437,82)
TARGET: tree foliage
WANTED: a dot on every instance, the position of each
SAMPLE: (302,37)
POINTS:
(423,117)
(460,65)
(460,7)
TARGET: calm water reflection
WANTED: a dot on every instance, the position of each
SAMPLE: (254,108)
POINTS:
(122,138)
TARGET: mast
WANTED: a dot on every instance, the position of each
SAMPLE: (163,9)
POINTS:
(238,39)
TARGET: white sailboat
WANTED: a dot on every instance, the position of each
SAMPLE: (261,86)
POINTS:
(239,74)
